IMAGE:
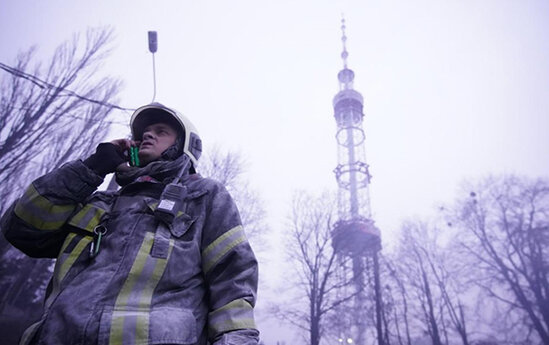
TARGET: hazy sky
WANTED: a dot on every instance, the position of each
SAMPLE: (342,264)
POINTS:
(453,89)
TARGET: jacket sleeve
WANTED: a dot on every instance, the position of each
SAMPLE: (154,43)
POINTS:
(231,273)
(33,224)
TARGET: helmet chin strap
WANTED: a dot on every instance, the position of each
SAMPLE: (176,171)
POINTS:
(174,151)
(170,154)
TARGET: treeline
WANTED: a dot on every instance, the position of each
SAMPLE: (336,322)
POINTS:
(477,273)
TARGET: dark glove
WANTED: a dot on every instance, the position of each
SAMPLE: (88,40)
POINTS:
(105,159)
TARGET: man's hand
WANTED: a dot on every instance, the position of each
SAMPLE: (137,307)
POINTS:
(123,146)
(110,157)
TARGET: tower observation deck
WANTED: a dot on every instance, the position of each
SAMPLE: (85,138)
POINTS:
(354,234)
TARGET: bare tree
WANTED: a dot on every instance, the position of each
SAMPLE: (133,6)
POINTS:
(319,289)
(426,279)
(505,229)
(413,261)
(398,306)
(54,114)
(229,169)
(49,115)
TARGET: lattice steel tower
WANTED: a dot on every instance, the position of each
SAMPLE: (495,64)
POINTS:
(354,235)
(355,232)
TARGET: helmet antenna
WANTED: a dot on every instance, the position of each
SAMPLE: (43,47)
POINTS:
(153,47)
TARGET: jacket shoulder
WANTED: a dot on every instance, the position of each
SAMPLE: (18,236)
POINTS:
(197,182)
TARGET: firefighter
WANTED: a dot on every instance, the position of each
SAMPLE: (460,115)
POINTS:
(163,260)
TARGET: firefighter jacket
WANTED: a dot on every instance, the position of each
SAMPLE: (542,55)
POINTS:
(136,279)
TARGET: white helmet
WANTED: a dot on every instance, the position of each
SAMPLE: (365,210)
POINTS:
(156,112)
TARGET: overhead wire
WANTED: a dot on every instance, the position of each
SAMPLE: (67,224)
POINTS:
(44,84)
(112,122)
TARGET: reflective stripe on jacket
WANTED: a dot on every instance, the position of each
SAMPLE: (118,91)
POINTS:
(188,282)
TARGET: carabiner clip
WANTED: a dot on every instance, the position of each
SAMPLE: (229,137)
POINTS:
(98,233)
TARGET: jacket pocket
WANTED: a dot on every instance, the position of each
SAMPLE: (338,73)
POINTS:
(172,326)
(190,213)
(181,224)
(164,325)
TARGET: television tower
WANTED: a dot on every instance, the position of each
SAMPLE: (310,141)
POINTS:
(354,234)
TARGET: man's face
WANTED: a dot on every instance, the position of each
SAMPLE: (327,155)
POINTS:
(156,139)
